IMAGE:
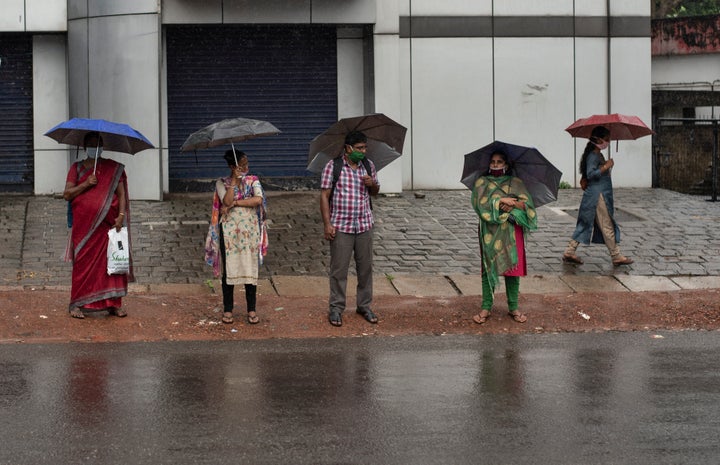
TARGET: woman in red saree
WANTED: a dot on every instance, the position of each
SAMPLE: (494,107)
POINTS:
(99,201)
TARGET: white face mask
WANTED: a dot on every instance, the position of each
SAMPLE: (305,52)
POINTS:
(93,152)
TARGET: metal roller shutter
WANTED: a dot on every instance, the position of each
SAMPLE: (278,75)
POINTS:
(282,74)
(16,113)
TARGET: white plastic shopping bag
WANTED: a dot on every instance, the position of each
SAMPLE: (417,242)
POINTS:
(118,252)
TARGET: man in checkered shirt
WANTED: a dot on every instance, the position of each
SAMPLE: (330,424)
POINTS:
(348,221)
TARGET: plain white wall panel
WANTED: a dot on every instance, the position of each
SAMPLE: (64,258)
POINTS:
(686,68)
(590,8)
(387,14)
(350,82)
(404,99)
(46,15)
(50,107)
(123,87)
(452,107)
(533,95)
(626,8)
(590,92)
(631,65)
(387,90)
(12,15)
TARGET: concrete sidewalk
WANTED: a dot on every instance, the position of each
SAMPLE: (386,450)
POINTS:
(425,245)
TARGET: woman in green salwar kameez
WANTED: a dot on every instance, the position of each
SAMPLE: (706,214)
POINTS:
(506,211)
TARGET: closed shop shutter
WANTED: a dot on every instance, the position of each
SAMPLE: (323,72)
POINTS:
(16,113)
(282,74)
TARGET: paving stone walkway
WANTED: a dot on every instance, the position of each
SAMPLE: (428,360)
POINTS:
(418,234)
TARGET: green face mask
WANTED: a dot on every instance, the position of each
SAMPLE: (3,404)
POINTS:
(355,156)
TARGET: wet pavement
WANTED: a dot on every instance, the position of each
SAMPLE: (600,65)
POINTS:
(621,398)
(553,398)
(431,235)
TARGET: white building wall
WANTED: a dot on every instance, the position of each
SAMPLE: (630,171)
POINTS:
(114,61)
(454,93)
(452,108)
(534,96)
(633,159)
(50,107)
(679,69)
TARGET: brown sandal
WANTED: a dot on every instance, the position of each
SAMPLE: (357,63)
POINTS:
(623,261)
(481,317)
(252,318)
(227,317)
(572,258)
(518,317)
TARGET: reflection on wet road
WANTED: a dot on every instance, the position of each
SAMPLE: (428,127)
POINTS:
(563,398)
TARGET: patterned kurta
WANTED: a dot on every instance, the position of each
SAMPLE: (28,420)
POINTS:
(242,235)
(500,249)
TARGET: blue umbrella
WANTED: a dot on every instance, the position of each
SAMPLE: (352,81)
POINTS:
(117,137)
(541,178)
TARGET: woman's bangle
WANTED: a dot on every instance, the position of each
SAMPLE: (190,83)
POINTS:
(121,214)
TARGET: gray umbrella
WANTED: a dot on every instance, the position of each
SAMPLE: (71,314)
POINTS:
(228,131)
(385,141)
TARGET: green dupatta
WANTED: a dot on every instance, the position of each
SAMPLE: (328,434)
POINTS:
(497,234)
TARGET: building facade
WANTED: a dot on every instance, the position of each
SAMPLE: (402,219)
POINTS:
(458,74)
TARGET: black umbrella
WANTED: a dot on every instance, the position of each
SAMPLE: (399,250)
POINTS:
(541,178)
(385,141)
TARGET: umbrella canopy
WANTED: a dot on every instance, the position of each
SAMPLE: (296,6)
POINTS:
(385,141)
(228,131)
(622,127)
(541,178)
(117,137)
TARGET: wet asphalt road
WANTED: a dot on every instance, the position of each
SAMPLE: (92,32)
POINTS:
(561,398)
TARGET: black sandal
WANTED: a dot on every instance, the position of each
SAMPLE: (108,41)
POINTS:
(368,314)
(117,311)
(335,318)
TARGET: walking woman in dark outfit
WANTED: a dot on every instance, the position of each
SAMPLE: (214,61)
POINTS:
(596,221)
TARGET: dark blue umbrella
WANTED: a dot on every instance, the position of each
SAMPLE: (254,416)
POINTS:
(541,178)
(117,137)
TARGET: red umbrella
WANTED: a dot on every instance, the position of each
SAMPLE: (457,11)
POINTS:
(622,127)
